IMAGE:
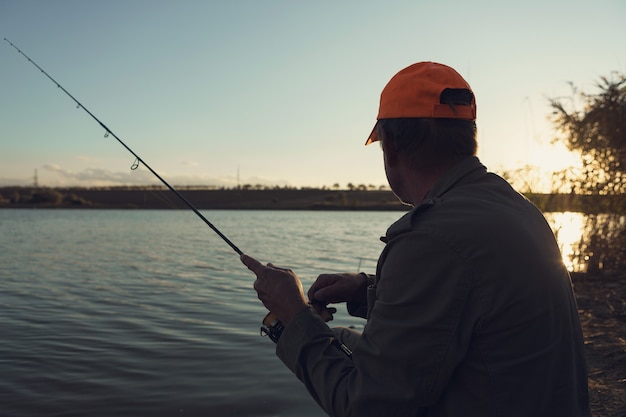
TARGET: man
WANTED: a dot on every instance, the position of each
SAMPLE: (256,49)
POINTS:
(471,311)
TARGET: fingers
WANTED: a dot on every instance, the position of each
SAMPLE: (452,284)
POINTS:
(318,296)
(329,288)
(257,267)
(322,281)
(320,305)
(252,264)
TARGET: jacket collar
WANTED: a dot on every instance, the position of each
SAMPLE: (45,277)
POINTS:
(466,169)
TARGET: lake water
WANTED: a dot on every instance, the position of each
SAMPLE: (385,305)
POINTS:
(149,313)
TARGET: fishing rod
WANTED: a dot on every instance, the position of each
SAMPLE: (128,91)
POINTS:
(271,326)
(138,159)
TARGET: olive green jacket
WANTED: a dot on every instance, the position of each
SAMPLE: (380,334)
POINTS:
(471,313)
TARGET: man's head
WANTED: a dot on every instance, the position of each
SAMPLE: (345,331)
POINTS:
(426,118)
(426,90)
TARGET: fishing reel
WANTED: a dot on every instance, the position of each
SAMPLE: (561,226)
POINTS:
(272,327)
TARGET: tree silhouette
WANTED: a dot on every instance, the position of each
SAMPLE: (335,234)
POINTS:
(598,132)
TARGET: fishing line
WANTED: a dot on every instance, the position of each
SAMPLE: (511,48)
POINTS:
(138,159)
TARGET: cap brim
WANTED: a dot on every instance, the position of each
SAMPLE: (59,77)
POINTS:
(373,137)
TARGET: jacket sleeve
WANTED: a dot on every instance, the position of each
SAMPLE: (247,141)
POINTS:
(359,308)
(418,330)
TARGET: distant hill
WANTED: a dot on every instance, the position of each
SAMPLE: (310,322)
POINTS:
(262,199)
(158,198)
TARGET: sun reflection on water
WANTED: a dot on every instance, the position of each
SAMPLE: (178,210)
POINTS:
(568,228)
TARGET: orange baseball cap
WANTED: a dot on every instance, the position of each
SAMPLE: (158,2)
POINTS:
(415,92)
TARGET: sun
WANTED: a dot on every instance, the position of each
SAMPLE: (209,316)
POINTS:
(554,157)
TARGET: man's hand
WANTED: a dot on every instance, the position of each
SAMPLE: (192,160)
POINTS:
(337,288)
(279,289)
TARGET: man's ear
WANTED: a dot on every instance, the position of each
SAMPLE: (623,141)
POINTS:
(390,151)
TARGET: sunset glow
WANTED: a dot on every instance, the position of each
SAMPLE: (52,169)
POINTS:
(221,93)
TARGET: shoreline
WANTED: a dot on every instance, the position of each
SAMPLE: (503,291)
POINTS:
(203,199)
(246,198)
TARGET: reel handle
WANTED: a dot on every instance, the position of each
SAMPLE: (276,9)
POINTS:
(272,327)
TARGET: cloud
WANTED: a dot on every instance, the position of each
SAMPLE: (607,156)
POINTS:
(96,177)
(53,175)
(52,167)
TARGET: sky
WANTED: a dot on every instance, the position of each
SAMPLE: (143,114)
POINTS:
(285,93)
